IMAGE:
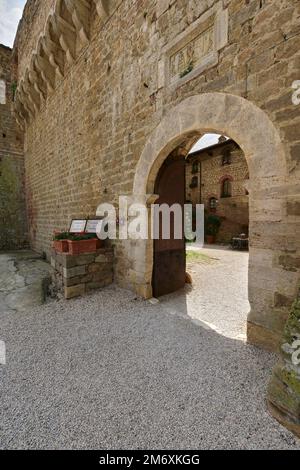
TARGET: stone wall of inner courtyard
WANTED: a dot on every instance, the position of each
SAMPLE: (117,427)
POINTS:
(206,171)
(90,96)
(13,227)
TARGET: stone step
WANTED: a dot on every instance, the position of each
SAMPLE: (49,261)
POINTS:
(24,277)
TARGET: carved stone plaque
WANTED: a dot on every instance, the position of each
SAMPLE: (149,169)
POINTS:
(196,49)
(190,55)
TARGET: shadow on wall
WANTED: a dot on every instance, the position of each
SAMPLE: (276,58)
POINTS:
(13,234)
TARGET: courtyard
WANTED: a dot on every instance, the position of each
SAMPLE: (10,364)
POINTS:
(112,371)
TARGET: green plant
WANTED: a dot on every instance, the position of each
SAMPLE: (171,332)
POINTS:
(212,225)
(193,256)
(82,236)
(61,236)
(187,70)
(74,236)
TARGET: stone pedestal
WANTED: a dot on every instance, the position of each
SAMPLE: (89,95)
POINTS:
(75,275)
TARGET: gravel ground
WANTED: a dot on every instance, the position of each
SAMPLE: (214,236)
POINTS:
(219,296)
(109,371)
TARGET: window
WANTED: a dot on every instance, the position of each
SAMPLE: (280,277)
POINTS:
(2,92)
(195,167)
(213,202)
(246,181)
(226,188)
(194,183)
(226,157)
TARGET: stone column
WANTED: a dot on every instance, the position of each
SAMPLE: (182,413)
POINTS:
(141,252)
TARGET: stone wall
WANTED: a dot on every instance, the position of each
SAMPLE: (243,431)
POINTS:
(76,275)
(284,387)
(96,110)
(211,171)
(13,227)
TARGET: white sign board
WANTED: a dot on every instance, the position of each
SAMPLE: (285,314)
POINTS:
(94,226)
(77,226)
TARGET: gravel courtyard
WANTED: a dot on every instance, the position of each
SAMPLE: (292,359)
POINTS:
(112,371)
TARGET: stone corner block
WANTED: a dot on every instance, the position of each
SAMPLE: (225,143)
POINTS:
(94,268)
(74,291)
(262,337)
(73,272)
(144,291)
(87,258)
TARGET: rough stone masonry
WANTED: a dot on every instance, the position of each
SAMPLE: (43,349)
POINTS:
(13,226)
(76,275)
(107,89)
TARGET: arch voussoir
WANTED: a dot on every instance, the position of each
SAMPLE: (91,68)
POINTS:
(252,129)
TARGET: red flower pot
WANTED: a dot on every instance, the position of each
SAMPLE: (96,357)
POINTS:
(77,247)
(61,246)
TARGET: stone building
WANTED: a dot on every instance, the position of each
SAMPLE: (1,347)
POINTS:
(108,89)
(217,176)
(13,227)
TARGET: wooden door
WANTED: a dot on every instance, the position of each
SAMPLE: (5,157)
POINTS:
(169,255)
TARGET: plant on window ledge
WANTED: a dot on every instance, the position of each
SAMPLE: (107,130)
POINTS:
(194,182)
(187,70)
(226,158)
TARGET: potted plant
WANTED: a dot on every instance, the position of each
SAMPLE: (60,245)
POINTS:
(100,243)
(76,243)
(212,227)
(82,243)
(60,242)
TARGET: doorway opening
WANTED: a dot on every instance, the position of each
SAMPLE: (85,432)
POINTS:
(236,117)
(211,280)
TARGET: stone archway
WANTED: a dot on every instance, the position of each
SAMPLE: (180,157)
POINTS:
(252,129)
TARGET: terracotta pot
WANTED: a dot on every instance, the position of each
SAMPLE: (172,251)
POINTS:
(100,243)
(210,239)
(61,246)
(78,247)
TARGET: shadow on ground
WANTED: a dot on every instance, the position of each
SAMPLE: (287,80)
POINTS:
(109,371)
